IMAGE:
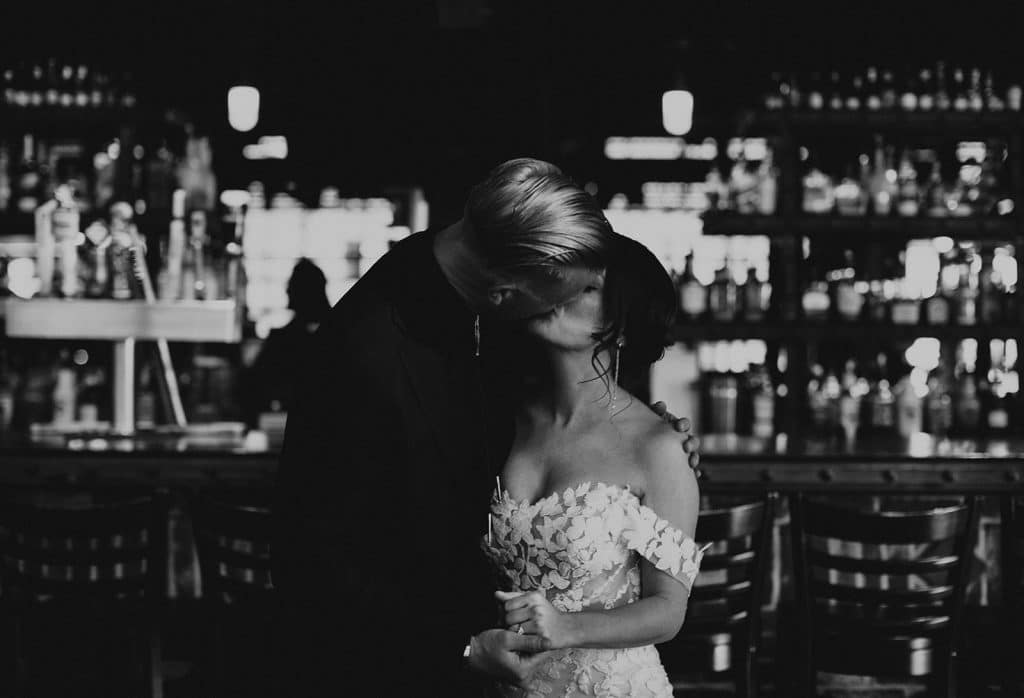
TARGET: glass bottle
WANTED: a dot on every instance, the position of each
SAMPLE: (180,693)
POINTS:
(975,98)
(908,203)
(926,96)
(943,102)
(909,408)
(855,96)
(848,298)
(990,296)
(815,93)
(767,178)
(938,406)
(763,403)
(816,301)
(960,100)
(937,307)
(889,95)
(835,91)
(853,390)
(693,295)
(909,95)
(880,188)
(818,192)
(872,89)
(756,297)
(849,195)
(723,296)
(935,193)
(966,403)
(966,295)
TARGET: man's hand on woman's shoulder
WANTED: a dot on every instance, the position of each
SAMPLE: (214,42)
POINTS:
(691,444)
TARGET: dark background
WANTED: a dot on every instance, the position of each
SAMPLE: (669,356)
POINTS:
(434,92)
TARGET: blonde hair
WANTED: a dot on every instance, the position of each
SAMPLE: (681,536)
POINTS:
(528,213)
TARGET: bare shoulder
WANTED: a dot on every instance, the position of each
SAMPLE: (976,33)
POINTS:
(670,485)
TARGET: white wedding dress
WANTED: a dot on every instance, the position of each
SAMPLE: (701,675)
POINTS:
(582,548)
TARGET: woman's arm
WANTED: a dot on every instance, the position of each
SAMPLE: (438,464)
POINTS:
(657,616)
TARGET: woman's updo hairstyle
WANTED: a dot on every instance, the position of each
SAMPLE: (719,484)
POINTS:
(527,214)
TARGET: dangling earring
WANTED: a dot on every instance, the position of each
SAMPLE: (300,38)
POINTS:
(619,344)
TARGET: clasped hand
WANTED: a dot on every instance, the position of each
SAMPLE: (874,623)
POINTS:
(531,613)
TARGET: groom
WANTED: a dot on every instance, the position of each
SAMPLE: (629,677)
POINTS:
(399,427)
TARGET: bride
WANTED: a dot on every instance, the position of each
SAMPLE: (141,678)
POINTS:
(592,520)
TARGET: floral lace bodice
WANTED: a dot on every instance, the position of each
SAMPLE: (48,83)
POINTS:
(582,547)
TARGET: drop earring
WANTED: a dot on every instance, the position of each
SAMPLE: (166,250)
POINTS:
(619,344)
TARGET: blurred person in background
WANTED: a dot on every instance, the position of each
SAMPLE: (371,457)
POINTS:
(269,384)
(402,419)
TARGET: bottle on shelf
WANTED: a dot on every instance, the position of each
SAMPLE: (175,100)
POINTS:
(743,186)
(881,403)
(717,190)
(990,295)
(935,193)
(937,310)
(145,399)
(910,93)
(8,390)
(767,189)
(938,405)
(816,301)
(850,197)
(961,102)
(121,283)
(762,403)
(5,178)
(966,295)
(756,297)
(849,299)
(815,92)
(882,186)
(872,89)
(906,308)
(943,102)
(1003,383)
(28,182)
(909,199)
(97,248)
(854,388)
(966,401)
(835,91)
(926,95)
(817,401)
(723,296)
(693,295)
(890,98)
(773,100)
(975,96)
(65,391)
(818,192)
(909,408)
(854,100)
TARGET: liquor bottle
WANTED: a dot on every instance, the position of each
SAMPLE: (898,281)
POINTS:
(145,399)
(65,391)
(742,186)
(97,89)
(97,248)
(723,297)
(850,196)
(908,203)
(926,96)
(909,95)
(37,87)
(773,100)
(888,90)
(855,96)
(818,192)
(909,408)
(872,90)
(817,401)
(66,226)
(881,403)
(853,390)
(767,177)
(796,97)
(816,301)
(82,86)
(716,189)
(67,86)
(966,402)
(93,403)
(906,309)
(938,406)
(8,390)
(882,185)
(997,398)
(960,100)
(1013,96)
(832,392)
(835,91)
(937,307)
(7,84)
(27,179)
(756,297)
(815,93)
(121,283)
(943,102)
(966,295)
(935,193)
(5,178)
(763,403)
(849,301)
(52,94)
(975,98)
(990,295)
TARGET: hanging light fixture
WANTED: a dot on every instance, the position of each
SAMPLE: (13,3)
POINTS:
(243,107)
(677,111)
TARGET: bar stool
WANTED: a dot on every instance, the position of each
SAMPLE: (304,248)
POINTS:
(1012,545)
(232,533)
(881,593)
(86,570)
(722,631)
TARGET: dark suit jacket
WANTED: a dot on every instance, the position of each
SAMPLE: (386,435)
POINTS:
(384,480)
